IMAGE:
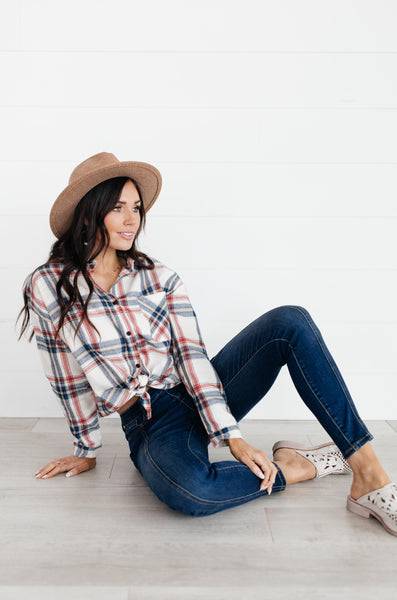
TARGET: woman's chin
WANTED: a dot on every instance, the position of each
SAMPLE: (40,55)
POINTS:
(123,246)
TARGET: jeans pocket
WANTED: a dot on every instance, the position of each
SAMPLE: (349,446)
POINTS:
(133,435)
(133,425)
(183,397)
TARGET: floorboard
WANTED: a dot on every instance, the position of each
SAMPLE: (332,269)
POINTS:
(104,535)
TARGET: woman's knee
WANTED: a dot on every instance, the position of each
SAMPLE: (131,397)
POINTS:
(291,315)
(196,508)
(184,490)
(291,322)
(181,500)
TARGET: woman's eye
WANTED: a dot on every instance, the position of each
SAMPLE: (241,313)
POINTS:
(118,208)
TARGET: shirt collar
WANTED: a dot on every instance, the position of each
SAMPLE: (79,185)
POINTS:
(130,266)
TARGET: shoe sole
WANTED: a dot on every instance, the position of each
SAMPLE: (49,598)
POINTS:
(298,446)
(364,511)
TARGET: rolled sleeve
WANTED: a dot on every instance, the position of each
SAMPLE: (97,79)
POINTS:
(67,380)
(195,368)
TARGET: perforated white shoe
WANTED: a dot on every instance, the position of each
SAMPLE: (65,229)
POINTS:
(327,458)
(380,504)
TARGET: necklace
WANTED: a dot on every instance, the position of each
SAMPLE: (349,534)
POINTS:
(117,269)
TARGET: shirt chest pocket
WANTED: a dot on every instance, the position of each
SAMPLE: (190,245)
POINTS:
(154,316)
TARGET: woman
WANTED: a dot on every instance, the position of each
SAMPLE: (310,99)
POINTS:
(116,332)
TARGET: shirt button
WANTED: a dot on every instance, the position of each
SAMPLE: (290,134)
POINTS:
(115,301)
(128,332)
(137,365)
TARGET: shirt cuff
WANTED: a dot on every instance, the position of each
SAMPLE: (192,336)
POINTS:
(82,452)
(219,438)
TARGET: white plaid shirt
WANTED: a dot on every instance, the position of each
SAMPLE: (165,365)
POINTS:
(149,335)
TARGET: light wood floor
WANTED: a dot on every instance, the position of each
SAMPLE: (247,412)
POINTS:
(104,535)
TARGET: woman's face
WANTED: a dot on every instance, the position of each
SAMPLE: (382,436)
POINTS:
(123,221)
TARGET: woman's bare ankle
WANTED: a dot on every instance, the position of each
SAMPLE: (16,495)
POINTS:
(368,472)
(295,467)
(364,483)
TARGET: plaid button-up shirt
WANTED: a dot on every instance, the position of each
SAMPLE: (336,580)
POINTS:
(149,336)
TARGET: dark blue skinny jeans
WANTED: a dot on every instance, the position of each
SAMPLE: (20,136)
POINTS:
(170,450)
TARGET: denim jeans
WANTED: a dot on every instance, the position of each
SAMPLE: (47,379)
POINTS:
(170,450)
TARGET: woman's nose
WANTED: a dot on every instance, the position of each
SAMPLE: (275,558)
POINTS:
(131,218)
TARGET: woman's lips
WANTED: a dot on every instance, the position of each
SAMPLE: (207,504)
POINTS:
(126,236)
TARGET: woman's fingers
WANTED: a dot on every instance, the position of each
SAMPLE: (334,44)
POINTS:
(72,465)
(257,470)
(270,479)
(268,470)
(84,464)
(256,460)
(52,468)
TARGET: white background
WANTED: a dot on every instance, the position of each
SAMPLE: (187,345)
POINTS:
(274,125)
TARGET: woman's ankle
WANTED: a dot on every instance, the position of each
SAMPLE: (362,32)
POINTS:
(295,467)
(368,482)
(368,473)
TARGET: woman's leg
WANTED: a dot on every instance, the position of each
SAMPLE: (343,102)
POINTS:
(171,452)
(251,361)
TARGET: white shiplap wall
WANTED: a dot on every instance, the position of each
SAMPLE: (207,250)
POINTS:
(274,126)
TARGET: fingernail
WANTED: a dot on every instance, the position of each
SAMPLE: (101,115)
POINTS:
(44,476)
(37,472)
(269,491)
(69,474)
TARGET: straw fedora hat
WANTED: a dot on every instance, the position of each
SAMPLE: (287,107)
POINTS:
(94,170)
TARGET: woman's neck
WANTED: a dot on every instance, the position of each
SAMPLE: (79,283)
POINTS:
(108,262)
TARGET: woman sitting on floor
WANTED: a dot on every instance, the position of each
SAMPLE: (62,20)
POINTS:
(116,332)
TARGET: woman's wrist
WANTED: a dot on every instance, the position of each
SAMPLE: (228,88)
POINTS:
(234,441)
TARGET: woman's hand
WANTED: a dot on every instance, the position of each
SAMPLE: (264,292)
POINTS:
(256,460)
(72,465)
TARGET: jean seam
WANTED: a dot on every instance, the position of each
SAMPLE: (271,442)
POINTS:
(179,399)
(340,381)
(325,408)
(253,355)
(190,448)
(236,465)
(366,438)
(197,498)
(193,410)
(281,474)
(310,387)
(317,397)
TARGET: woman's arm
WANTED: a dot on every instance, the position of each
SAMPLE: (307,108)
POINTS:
(203,384)
(67,379)
(195,368)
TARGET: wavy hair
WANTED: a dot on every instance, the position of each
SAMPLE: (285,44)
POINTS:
(75,248)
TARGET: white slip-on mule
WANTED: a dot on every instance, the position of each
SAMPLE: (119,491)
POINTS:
(327,458)
(380,504)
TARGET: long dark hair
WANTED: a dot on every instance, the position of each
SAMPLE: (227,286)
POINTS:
(75,248)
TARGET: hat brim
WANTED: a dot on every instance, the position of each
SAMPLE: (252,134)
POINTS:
(147,177)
